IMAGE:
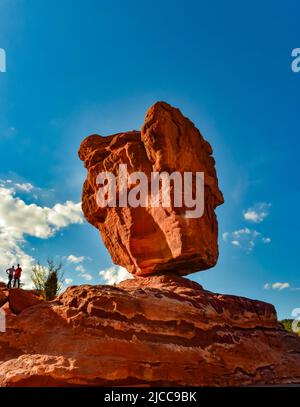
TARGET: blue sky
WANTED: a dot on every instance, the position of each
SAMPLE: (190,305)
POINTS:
(78,67)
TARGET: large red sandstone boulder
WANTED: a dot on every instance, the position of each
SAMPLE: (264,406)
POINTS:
(21,299)
(160,330)
(149,240)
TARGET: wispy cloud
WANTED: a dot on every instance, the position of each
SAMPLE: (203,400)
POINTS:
(19,186)
(266,240)
(68,281)
(80,268)
(277,286)
(86,276)
(245,239)
(26,187)
(27,190)
(257,213)
(75,259)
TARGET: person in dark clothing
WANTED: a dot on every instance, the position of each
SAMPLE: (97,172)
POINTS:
(11,273)
(17,276)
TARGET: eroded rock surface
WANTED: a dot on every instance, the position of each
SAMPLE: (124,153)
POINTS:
(21,299)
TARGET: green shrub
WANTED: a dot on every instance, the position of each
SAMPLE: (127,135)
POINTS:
(287,325)
(47,279)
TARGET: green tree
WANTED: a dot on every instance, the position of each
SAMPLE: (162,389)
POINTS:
(48,279)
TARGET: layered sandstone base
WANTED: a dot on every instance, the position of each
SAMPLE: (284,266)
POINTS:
(160,330)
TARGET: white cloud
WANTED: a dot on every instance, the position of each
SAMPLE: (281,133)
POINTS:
(114,275)
(252,216)
(266,240)
(75,259)
(277,286)
(225,236)
(80,268)
(19,219)
(245,239)
(68,281)
(242,232)
(34,220)
(280,286)
(26,187)
(20,186)
(257,213)
(86,276)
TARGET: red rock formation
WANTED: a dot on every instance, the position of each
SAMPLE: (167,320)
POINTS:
(153,240)
(21,299)
(160,330)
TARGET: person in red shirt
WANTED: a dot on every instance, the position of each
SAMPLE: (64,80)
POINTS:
(17,276)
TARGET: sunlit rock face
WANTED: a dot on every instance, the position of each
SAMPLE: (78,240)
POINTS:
(153,240)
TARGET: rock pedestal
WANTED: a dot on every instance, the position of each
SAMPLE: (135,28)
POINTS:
(154,331)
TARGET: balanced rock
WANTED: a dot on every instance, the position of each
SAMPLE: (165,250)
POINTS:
(151,240)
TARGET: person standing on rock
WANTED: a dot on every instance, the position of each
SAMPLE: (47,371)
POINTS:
(11,273)
(17,276)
